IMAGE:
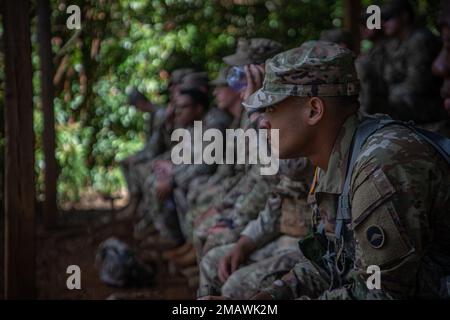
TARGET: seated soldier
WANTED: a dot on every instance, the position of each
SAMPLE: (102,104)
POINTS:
(383,189)
(191,105)
(137,167)
(229,101)
(412,89)
(268,246)
(245,196)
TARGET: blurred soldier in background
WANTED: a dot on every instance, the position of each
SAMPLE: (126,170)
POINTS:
(229,101)
(191,105)
(224,220)
(138,166)
(216,214)
(374,94)
(412,89)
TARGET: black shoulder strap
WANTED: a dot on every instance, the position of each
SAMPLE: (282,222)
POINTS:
(367,127)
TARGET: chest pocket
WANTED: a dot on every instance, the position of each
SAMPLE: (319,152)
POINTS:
(377,228)
(295,217)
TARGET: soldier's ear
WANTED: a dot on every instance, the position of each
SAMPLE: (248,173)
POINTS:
(316,109)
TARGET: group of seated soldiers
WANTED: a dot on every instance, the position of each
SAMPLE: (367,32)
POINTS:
(234,233)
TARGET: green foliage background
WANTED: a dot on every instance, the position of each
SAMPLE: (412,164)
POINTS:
(125,43)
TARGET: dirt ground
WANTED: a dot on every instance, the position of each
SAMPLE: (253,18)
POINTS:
(75,243)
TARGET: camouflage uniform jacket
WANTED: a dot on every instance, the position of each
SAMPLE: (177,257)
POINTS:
(185,173)
(400,201)
(267,226)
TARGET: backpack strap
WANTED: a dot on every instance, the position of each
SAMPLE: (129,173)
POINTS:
(367,127)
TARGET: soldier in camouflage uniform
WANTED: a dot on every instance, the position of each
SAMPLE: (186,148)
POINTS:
(412,90)
(206,187)
(267,247)
(399,187)
(191,105)
(137,167)
(224,219)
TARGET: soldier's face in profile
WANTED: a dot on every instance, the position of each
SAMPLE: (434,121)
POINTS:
(184,111)
(288,116)
(441,66)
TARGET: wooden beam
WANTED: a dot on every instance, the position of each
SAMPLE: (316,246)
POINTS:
(352,18)
(19,153)
(47,94)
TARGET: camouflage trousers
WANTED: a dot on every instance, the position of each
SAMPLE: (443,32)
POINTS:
(162,214)
(201,197)
(240,205)
(263,267)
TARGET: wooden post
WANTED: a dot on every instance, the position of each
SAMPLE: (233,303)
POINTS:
(352,17)
(19,153)
(50,211)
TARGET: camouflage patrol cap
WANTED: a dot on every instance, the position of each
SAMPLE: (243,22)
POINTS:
(253,51)
(177,75)
(221,79)
(315,69)
(194,81)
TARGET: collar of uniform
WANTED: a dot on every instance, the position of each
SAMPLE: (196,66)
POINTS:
(332,180)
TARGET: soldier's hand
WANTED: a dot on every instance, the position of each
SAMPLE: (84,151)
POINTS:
(255,77)
(214,298)
(236,257)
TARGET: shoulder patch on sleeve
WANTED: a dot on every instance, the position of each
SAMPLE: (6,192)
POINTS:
(379,238)
(375,220)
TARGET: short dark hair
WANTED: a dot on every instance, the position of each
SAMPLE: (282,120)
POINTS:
(197,96)
(135,96)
